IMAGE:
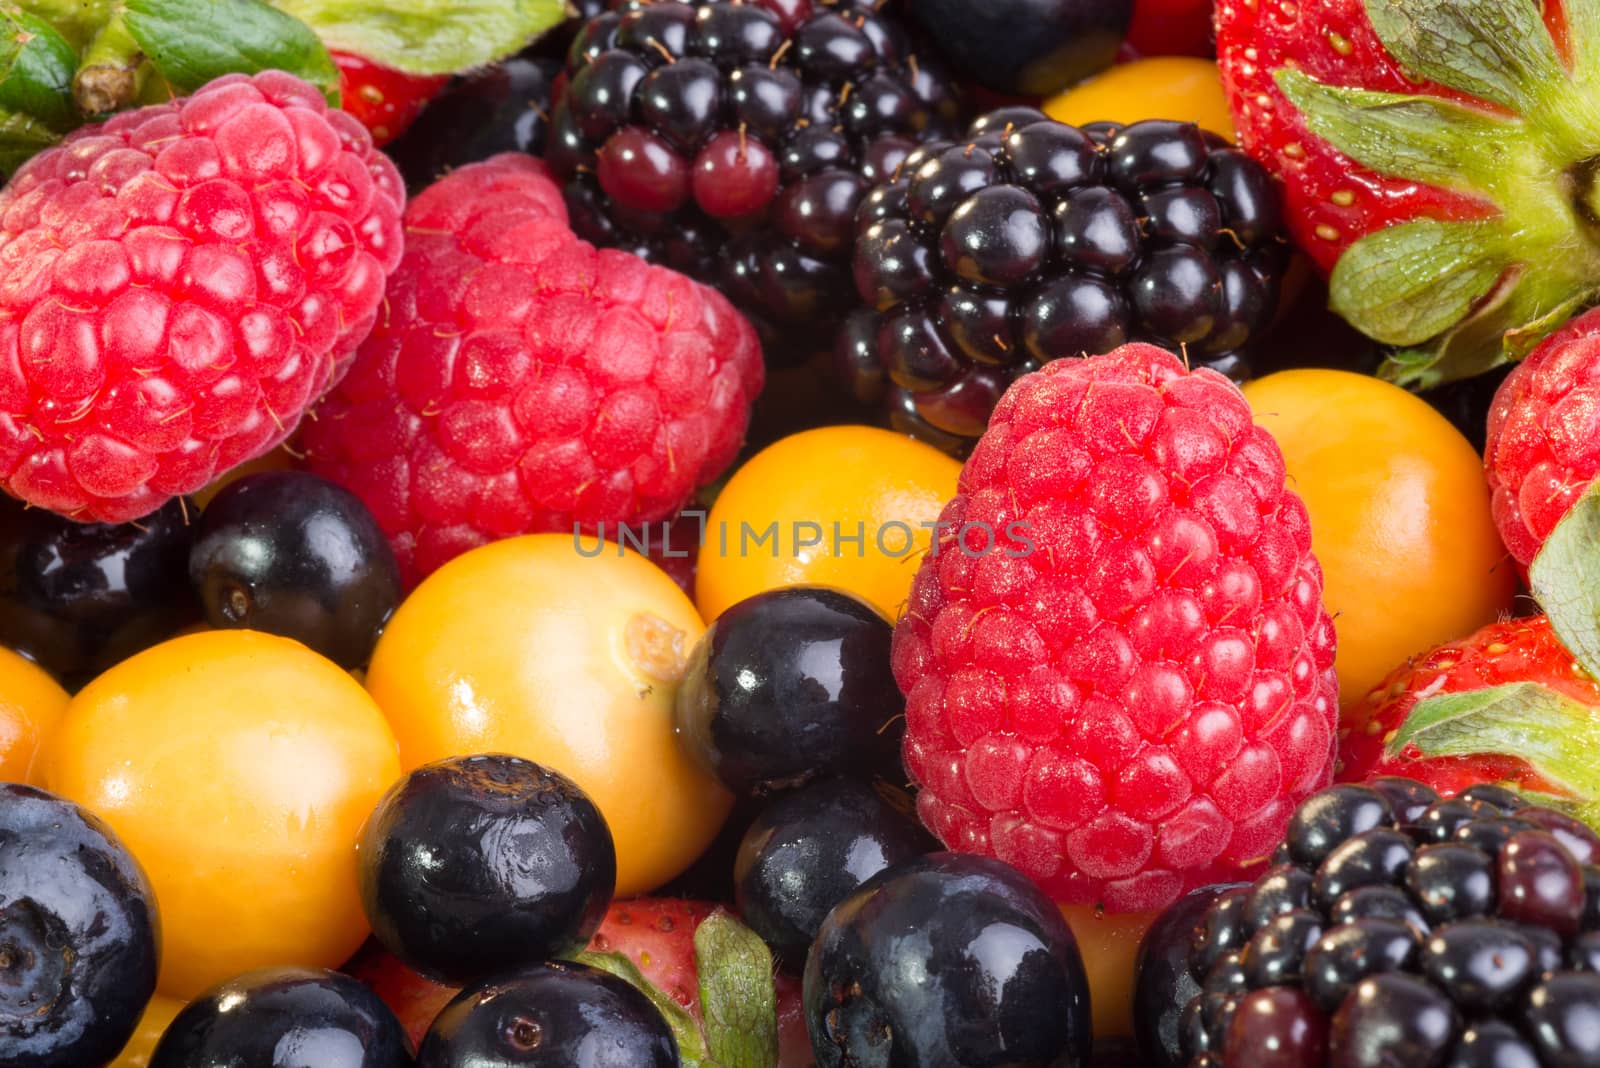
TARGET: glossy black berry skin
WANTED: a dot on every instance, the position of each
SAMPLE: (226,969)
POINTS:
(733,141)
(80,597)
(79,935)
(477,865)
(1026,47)
(790,685)
(812,848)
(1030,240)
(504,107)
(1456,933)
(291,553)
(285,1018)
(1162,981)
(947,960)
(553,1015)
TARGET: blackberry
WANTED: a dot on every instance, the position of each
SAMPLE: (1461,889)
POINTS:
(502,108)
(734,141)
(1418,932)
(1032,240)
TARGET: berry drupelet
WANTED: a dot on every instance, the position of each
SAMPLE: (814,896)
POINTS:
(734,141)
(1392,927)
(1033,240)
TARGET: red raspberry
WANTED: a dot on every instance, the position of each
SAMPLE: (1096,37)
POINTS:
(178,285)
(521,381)
(1128,694)
(1543,447)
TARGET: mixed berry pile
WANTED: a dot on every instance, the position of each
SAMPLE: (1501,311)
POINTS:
(789,533)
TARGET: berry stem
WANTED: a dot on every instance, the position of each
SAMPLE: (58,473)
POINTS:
(113,70)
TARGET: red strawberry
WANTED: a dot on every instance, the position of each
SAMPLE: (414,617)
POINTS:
(1543,447)
(1521,651)
(414,1000)
(1133,693)
(1437,158)
(656,934)
(387,101)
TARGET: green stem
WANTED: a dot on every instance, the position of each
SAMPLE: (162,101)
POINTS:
(113,69)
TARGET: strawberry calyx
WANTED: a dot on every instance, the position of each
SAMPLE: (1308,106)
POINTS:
(1519,133)
(738,1026)
(1554,735)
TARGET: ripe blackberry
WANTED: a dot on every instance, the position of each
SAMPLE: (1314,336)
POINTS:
(1420,934)
(1033,240)
(734,141)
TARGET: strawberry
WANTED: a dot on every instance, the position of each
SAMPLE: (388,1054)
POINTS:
(413,999)
(1438,159)
(1515,704)
(651,942)
(384,99)
(1520,653)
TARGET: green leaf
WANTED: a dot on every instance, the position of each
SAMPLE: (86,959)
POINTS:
(38,64)
(1406,284)
(1495,49)
(22,138)
(691,1045)
(1565,579)
(1421,138)
(428,36)
(737,998)
(1556,735)
(191,43)
(75,20)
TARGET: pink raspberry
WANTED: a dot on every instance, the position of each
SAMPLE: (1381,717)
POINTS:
(520,381)
(1129,691)
(178,285)
(1543,448)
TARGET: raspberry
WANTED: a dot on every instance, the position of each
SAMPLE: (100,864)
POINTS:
(1117,668)
(1543,447)
(521,381)
(178,285)
(733,141)
(1032,240)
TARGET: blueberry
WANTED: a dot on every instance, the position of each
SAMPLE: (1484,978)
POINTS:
(285,1018)
(555,1014)
(475,865)
(293,554)
(810,849)
(80,597)
(1162,984)
(789,685)
(949,959)
(79,935)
